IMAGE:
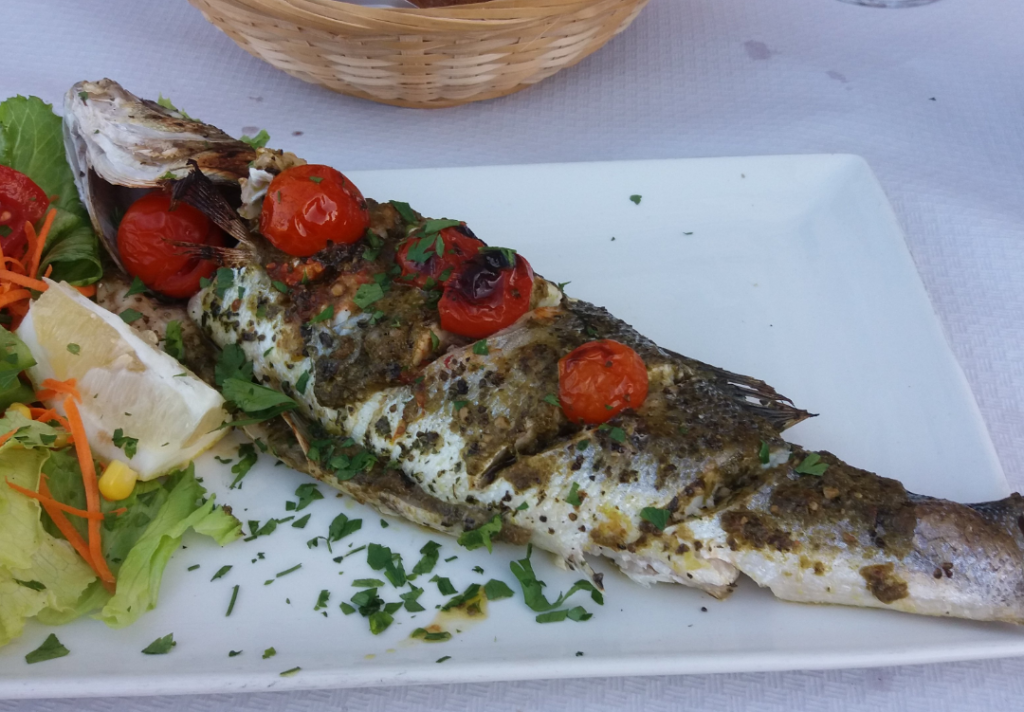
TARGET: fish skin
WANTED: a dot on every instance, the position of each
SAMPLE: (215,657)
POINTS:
(846,536)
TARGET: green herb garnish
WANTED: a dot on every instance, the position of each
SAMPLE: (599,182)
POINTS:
(128,445)
(812,465)
(160,646)
(658,517)
(481,536)
(49,650)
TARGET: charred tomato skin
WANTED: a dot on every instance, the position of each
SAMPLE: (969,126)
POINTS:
(21,201)
(149,240)
(307,207)
(600,379)
(486,295)
(460,245)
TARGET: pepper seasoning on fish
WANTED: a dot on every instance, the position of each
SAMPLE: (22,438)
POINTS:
(695,485)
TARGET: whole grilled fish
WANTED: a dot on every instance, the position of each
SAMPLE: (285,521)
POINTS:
(695,486)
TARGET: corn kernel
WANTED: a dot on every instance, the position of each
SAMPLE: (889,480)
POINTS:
(117,481)
(21,409)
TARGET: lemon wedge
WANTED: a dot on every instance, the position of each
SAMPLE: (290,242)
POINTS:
(125,384)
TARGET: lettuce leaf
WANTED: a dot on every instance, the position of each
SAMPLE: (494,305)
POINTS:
(137,544)
(32,141)
(138,581)
(39,574)
(14,358)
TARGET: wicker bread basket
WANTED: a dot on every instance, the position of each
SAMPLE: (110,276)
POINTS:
(423,58)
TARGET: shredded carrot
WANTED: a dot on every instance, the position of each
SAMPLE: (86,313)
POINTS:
(14,263)
(119,511)
(54,503)
(23,281)
(92,492)
(64,526)
(68,387)
(87,291)
(15,295)
(7,436)
(31,239)
(37,252)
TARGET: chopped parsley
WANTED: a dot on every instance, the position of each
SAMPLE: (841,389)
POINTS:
(51,649)
(618,435)
(441,660)
(368,583)
(481,536)
(636,199)
(301,522)
(480,348)
(405,211)
(130,315)
(573,497)
(367,294)
(381,557)
(496,590)
(409,600)
(316,179)
(257,141)
(307,494)
(137,287)
(429,559)
(434,341)
(234,653)
(552,399)
(223,282)
(341,527)
(174,344)
(812,465)
(234,597)
(322,599)
(523,506)
(326,313)
(444,585)
(269,653)
(221,571)
(300,385)
(280,286)
(533,592)
(291,671)
(431,636)
(763,454)
(247,458)
(160,646)
(582,445)
(658,517)
(74,349)
(128,445)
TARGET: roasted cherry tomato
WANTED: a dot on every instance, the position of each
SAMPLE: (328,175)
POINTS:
(488,294)
(460,244)
(21,201)
(307,207)
(599,380)
(149,240)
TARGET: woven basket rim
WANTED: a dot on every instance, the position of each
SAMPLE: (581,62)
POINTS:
(332,15)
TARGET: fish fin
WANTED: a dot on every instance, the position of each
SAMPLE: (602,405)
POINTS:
(198,190)
(760,398)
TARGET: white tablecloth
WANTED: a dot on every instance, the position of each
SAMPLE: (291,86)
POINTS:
(930,96)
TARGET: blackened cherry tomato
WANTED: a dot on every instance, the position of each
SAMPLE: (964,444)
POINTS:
(21,201)
(599,380)
(149,240)
(460,244)
(307,207)
(488,294)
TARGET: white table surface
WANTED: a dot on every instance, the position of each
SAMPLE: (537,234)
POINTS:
(930,96)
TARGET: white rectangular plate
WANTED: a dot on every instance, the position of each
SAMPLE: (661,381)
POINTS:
(792,269)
